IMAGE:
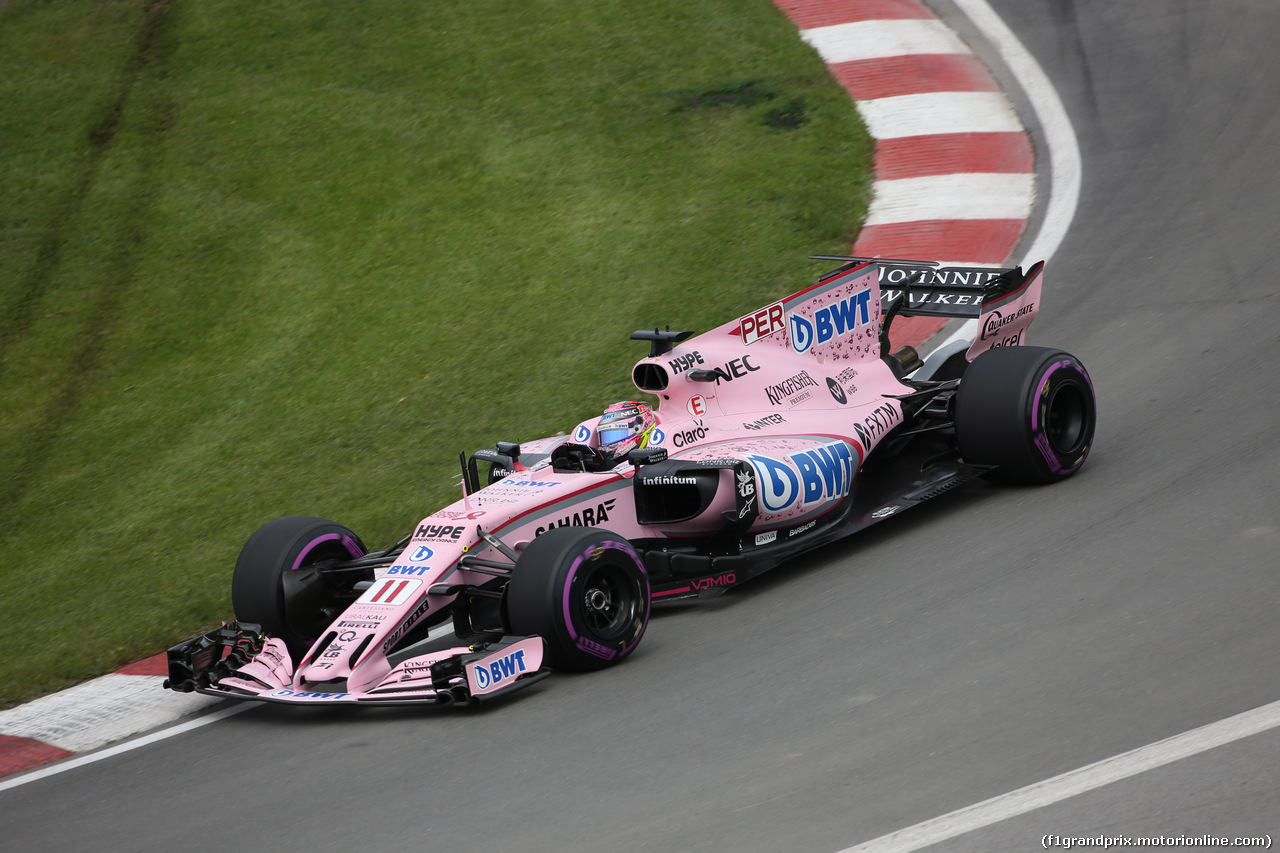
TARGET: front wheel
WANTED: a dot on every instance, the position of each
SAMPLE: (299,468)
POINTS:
(1028,410)
(275,585)
(585,592)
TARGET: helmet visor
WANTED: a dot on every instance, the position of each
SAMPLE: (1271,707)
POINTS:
(613,434)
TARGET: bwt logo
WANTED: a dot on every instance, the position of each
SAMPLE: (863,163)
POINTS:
(812,475)
(421,554)
(408,570)
(500,670)
(830,322)
(303,694)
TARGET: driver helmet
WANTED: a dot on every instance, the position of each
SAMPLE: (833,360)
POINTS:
(625,427)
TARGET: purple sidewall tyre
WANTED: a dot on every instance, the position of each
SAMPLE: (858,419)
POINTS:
(585,592)
(1030,411)
(294,612)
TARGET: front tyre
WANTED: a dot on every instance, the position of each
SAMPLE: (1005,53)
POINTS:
(293,608)
(585,592)
(1028,410)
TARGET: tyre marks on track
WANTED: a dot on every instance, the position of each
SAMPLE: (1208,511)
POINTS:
(153,47)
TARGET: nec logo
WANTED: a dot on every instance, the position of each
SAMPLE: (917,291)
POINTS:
(762,324)
(830,322)
(735,369)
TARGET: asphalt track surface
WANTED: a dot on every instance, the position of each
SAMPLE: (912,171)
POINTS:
(988,641)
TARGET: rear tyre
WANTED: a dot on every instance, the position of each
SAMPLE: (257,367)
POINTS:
(585,592)
(1029,410)
(294,610)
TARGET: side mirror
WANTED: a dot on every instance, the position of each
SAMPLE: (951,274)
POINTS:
(647,456)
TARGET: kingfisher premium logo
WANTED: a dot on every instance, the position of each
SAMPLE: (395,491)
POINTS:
(787,389)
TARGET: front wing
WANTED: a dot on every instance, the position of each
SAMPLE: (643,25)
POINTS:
(237,661)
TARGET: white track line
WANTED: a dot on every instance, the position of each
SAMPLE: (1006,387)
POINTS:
(1075,782)
(1064,197)
(1065,168)
(1055,124)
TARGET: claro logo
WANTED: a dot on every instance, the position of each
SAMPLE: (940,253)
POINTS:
(684,438)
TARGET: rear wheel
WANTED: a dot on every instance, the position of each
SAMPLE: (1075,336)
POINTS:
(276,585)
(585,592)
(1028,410)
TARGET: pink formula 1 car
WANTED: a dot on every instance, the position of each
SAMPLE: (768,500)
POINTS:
(775,433)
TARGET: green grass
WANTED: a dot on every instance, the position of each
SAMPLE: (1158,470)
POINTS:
(263,257)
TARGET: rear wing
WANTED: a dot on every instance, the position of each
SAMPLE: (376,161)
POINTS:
(1003,301)
(928,289)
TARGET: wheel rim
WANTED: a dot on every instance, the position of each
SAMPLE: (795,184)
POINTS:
(1067,419)
(610,601)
